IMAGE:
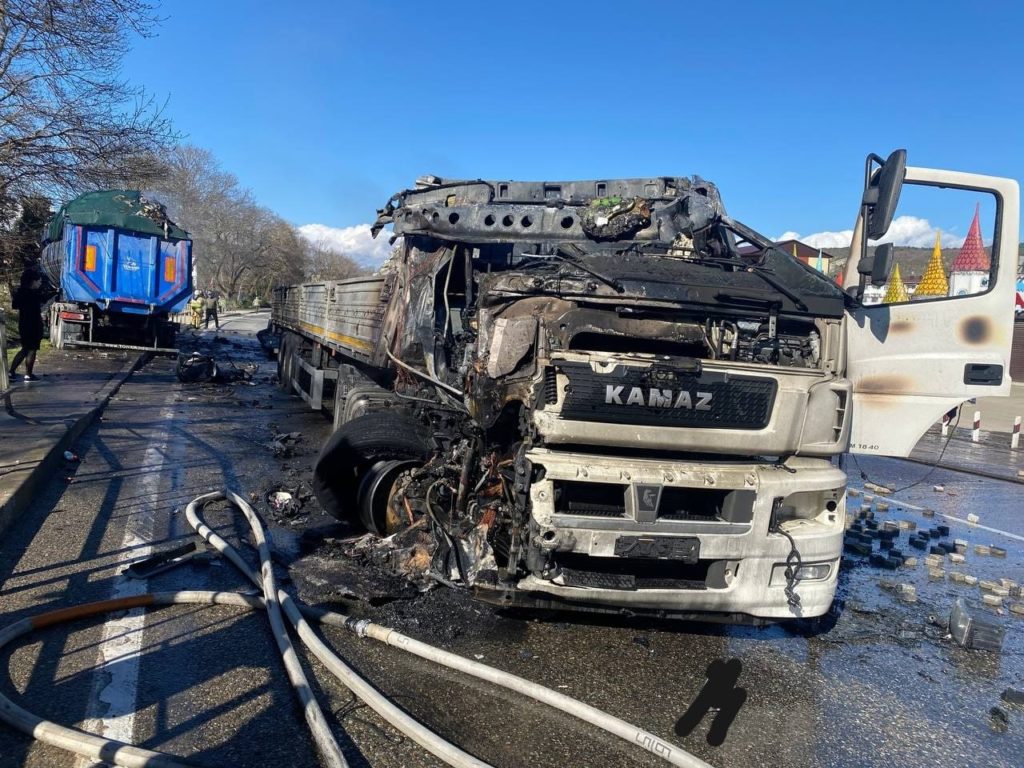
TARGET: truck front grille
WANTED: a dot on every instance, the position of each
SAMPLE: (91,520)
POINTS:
(616,573)
(659,397)
(590,499)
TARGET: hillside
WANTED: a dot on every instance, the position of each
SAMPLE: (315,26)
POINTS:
(912,261)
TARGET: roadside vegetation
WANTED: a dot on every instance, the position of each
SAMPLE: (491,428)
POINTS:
(71,122)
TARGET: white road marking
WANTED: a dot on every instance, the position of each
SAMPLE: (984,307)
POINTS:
(969,524)
(113,702)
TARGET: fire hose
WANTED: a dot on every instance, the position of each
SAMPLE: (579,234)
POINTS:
(279,605)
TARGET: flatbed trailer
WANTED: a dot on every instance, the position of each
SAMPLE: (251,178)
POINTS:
(324,326)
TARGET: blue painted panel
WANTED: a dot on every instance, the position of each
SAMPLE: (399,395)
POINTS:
(134,266)
(130,270)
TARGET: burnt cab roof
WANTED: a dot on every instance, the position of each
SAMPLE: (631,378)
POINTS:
(503,211)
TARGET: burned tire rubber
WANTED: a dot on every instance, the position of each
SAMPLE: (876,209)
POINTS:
(352,451)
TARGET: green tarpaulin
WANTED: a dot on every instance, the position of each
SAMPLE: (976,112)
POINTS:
(121,208)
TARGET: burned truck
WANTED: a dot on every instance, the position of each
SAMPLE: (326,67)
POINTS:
(612,396)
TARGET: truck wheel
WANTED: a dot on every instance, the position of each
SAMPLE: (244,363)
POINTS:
(359,462)
(284,356)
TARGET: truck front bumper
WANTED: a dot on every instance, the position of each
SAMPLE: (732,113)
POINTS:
(685,537)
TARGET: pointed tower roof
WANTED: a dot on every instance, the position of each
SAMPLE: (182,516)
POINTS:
(972,256)
(896,291)
(934,281)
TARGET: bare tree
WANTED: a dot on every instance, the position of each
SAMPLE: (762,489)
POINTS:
(326,263)
(241,248)
(68,121)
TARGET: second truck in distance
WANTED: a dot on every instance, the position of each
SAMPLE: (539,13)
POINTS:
(121,267)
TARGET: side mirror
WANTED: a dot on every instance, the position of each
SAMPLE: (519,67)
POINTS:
(881,264)
(882,192)
(878,266)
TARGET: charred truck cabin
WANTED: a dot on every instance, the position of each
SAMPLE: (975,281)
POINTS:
(606,395)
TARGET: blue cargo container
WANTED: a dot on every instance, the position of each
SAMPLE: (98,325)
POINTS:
(122,269)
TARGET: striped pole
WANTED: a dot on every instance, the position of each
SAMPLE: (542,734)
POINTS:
(1015,437)
(976,433)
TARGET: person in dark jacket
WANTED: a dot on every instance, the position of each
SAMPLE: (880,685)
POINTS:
(211,310)
(28,300)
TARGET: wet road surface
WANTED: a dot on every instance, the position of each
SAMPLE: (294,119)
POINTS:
(879,687)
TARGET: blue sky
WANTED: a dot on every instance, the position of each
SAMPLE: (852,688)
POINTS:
(323,109)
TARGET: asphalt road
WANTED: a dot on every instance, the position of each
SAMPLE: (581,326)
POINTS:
(879,688)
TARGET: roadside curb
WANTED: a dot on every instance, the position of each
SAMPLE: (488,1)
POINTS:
(64,437)
(967,470)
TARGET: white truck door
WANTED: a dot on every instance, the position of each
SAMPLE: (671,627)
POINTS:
(910,361)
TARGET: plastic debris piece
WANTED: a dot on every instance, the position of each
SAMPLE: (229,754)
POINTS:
(974,631)
(973,519)
(936,574)
(956,577)
(882,506)
(910,562)
(70,456)
(970,581)
(907,593)
(881,561)
(997,551)
(943,530)
(1008,583)
(998,720)
(928,512)
(1017,608)
(1013,696)
(279,500)
(992,600)
(981,549)
(954,557)
(853,493)
(938,488)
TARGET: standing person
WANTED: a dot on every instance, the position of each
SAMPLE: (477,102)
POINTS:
(195,308)
(211,310)
(28,300)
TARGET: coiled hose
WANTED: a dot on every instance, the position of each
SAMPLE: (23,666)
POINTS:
(279,603)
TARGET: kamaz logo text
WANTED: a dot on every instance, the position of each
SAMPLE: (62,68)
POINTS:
(658,398)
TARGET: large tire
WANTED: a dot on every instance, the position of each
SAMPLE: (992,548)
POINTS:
(352,450)
(284,356)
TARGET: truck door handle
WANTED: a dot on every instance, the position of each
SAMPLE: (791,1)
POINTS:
(983,374)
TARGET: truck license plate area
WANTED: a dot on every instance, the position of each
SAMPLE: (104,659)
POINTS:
(683,549)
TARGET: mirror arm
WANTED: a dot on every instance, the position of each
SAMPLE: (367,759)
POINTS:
(858,252)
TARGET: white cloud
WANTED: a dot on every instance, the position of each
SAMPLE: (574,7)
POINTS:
(904,230)
(354,242)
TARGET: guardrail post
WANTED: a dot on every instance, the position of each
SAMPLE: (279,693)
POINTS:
(1015,437)
(5,375)
(976,432)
